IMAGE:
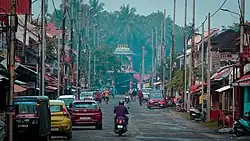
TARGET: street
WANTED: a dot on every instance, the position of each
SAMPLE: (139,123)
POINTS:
(147,125)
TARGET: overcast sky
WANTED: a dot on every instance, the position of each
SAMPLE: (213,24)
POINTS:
(146,7)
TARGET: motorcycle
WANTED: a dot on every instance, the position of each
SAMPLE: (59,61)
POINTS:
(120,126)
(127,99)
(107,100)
(194,113)
(242,126)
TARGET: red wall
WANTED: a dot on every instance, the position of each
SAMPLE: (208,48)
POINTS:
(23,6)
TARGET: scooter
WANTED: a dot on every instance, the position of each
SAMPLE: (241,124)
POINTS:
(194,113)
(120,126)
(127,99)
(242,126)
(107,100)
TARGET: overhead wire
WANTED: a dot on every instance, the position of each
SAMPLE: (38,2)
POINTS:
(57,15)
(212,14)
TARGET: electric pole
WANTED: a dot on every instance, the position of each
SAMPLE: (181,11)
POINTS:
(208,69)
(191,64)
(79,48)
(71,74)
(185,58)
(172,51)
(63,45)
(11,66)
(202,67)
(59,63)
(161,55)
(24,37)
(42,55)
(191,73)
(156,50)
(152,65)
(164,53)
(142,66)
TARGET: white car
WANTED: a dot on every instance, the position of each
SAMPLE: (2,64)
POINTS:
(87,96)
(67,99)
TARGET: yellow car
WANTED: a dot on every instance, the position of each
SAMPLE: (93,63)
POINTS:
(61,124)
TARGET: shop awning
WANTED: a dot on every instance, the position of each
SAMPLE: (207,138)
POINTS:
(223,88)
(244,81)
(222,73)
(196,88)
(19,89)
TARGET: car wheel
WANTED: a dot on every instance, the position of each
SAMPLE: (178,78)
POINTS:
(149,107)
(98,127)
(69,135)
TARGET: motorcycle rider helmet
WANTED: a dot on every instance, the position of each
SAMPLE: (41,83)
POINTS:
(121,102)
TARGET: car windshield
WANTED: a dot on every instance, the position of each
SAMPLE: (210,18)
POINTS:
(55,108)
(146,90)
(156,96)
(85,105)
(26,107)
(67,101)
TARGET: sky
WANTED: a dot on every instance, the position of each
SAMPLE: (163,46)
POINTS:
(203,7)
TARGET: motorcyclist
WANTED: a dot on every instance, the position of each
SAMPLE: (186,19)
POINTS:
(121,110)
(113,92)
(106,95)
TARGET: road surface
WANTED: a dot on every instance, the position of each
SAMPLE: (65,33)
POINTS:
(148,125)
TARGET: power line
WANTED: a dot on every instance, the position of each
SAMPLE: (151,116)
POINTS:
(213,13)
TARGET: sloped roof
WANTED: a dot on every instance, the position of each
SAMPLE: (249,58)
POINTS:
(225,41)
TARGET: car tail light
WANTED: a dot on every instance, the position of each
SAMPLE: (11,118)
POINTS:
(98,110)
(65,112)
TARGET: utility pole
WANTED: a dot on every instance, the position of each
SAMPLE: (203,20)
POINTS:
(161,57)
(24,37)
(185,57)
(156,50)
(42,56)
(59,63)
(71,43)
(79,47)
(242,23)
(142,66)
(164,53)
(208,69)
(63,45)
(152,63)
(191,64)
(94,68)
(172,51)
(11,66)
(202,67)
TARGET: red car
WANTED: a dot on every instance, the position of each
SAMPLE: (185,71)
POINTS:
(98,96)
(156,100)
(86,113)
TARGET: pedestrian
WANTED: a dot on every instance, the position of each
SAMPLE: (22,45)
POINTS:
(140,96)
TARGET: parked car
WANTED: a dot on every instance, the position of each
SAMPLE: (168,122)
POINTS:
(98,96)
(87,96)
(32,119)
(86,113)
(67,99)
(156,100)
(61,124)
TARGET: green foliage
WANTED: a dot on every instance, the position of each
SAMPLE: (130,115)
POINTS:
(51,50)
(124,26)
(178,81)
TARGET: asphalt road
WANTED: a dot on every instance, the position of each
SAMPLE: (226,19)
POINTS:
(148,125)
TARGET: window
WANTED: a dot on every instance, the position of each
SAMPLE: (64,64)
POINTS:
(67,101)
(85,105)
(55,108)
(156,96)
(26,107)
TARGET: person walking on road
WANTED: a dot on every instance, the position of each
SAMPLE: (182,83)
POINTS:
(140,96)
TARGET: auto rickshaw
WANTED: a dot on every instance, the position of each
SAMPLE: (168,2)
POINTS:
(32,119)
